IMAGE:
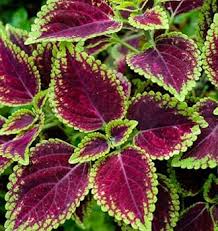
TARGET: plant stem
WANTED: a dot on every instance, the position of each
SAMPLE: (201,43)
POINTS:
(50,125)
(122,42)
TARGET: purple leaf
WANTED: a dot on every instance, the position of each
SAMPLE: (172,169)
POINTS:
(173,63)
(46,193)
(125,186)
(211,53)
(196,218)
(43,60)
(166,212)
(19,121)
(4,163)
(84,94)
(40,100)
(18,38)
(166,126)
(214,214)
(211,189)
(126,84)
(152,19)
(69,20)
(181,6)
(209,8)
(204,152)
(92,147)
(189,181)
(18,148)
(118,131)
(96,45)
(19,77)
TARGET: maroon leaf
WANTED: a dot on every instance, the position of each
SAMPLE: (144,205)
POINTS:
(173,63)
(214,214)
(71,20)
(211,53)
(189,181)
(19,121)
(92,147)
(125,186)
(209,8)
(43,60)
(196,218)
(96,45)
(167,207)
(47,192)
(40,100)
(118,131)
(166,126)
(126,84)
(4,163)
(211,189)
(19,78)
(181,6)
(84,93)
(17,148)
(153,19)
(204,152)
(18,38)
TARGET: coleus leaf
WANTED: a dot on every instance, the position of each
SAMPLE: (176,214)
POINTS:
(124,184)
(189,181)
(211,189)
(152,19)
(173,63)
(19,78)
(214,213)
(181,6)
(39,201)
(92,147)
(166,126)
(84,94)
(42,56)
(40,100)
(18,38)
(17,148)
(118,131)
(19,121)
(125,83)
(204,152)
(69,20)
(96,45)
(166,213)
(210,56)
(206,15)
(4,163)
(196,218)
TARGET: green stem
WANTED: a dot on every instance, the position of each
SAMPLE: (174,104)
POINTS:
(51,125)
(122,42)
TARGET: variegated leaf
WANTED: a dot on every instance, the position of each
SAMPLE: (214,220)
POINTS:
(173,62)
(118,131)
(45,193)
(92,147)
(152,19)
(125,186)
(166,126)
(204,152)
(70,20)
(84,93)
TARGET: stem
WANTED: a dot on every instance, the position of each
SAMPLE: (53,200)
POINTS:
(51,125)
(122,42)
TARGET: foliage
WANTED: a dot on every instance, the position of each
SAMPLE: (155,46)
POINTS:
(108,116)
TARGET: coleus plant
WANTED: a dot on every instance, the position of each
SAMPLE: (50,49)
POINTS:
(121,145)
